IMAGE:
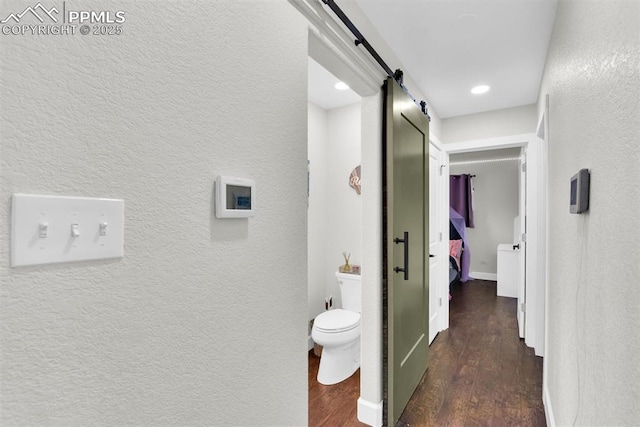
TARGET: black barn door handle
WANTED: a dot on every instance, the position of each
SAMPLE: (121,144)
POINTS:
(405,269)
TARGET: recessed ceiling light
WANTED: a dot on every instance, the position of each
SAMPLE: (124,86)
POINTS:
(480,89)
(341,86)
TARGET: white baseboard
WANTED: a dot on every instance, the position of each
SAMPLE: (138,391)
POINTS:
(309,343)
(369,413)
(483,276)
(548,412)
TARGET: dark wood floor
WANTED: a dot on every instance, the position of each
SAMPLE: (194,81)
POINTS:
(332,405)
(480,373)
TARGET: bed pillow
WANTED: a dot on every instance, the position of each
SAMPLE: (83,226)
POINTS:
(455,249)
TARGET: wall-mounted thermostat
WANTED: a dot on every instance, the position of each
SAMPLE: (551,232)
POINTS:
(579,201)
(235,197)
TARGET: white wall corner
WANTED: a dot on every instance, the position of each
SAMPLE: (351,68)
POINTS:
(548,412)
(370,413)
(484,276)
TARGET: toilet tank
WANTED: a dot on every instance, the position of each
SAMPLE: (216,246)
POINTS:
(351,291)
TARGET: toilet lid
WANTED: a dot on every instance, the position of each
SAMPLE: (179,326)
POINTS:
(337,320)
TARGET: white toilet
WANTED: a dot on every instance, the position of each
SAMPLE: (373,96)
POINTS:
(338,332)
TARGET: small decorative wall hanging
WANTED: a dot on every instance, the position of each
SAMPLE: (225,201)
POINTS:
(354,179)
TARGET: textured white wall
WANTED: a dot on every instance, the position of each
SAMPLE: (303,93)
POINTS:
(491,124)
(371,326)
(495,206)
(317,218)
(344,205)
(203,322)
(335,209)
(593,80)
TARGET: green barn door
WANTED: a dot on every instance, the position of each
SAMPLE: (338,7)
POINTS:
(407,274)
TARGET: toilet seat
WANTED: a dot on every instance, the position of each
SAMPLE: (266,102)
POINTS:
(337,320)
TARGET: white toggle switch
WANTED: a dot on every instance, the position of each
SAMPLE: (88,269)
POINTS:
(52,229)
(43,228)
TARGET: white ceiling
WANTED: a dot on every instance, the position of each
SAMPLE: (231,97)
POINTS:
(322,91)
(449,46)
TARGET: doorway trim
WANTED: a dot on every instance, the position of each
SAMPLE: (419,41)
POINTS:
(536,253)
(543,135)
(442,292)
(332,47)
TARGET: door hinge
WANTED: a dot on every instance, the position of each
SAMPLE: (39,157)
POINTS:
(524,167)
(441,167)
(524,236)
(523,307)
(440,236)
(440,301)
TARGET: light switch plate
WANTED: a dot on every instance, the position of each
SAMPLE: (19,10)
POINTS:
(53,229)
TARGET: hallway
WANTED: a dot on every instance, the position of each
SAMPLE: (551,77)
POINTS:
(480,372)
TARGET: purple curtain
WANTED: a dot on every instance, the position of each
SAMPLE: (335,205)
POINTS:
(465,260)
(460,187)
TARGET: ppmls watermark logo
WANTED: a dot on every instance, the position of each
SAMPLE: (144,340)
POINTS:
(40,20)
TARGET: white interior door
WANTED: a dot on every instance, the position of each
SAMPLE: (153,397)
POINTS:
(522,232)
(435,240)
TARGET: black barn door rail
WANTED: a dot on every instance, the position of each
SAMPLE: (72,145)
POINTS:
(397,75)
